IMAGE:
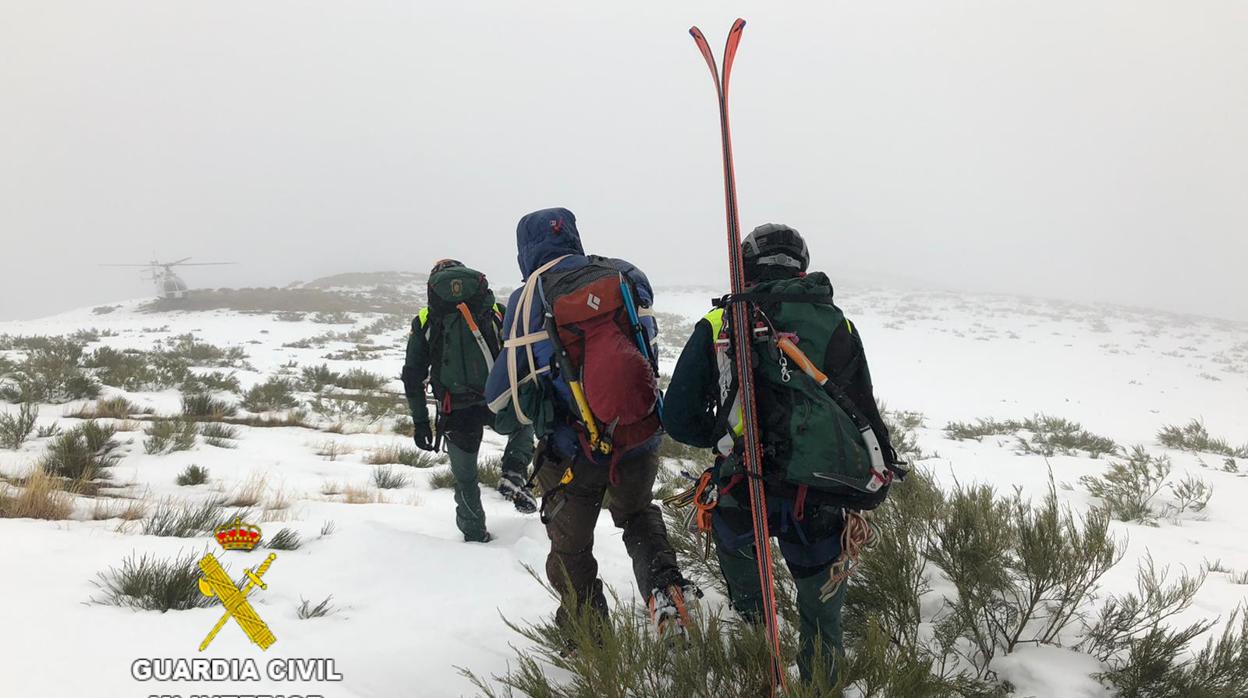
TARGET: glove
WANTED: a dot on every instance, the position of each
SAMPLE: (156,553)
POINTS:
(423,436)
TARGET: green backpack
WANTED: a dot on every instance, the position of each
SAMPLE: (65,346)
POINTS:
(812,435)
(463,330)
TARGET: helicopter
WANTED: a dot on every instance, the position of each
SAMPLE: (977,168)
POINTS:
(169,286)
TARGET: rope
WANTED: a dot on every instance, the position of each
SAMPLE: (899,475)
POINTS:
(858,536)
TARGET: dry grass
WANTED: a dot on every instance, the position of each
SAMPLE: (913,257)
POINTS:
(354,494)
(278,507)
(393,453)
(250,492)
(125,509)
(332,488)
(330,449)
(40,496)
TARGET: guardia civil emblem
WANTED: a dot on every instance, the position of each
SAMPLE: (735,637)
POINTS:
(215,582)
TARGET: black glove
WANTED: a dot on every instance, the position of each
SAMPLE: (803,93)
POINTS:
(423,436)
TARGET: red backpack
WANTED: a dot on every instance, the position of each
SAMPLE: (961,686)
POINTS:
(614,387)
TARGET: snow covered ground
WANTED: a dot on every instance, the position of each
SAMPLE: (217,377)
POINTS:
(413,602)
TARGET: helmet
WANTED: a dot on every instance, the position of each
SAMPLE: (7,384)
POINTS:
(777,246)
(445,264)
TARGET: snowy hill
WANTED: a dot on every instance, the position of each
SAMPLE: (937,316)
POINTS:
(411,602)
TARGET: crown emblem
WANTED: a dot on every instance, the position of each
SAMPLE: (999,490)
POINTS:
(237,535)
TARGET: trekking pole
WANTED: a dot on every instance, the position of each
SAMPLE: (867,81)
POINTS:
(634,320)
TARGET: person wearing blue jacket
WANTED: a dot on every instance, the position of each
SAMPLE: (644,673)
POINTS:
(526,386)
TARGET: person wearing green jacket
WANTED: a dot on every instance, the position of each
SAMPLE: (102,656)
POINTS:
(808,522)
(452,346)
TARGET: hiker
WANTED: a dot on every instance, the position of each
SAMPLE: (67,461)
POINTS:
(808,520)
(454,343)
(578,364)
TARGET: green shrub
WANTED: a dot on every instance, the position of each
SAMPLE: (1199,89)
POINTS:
(170,435)
(193,475)
(386,479)
(172,519)
(204,406)
(1146,657)
(150,584)
(316,378)
(48,431)
(966,431)
(1052,436)
(83,452)
(334,318)
(285,539)
(219,435)
(1193,436)
(186,348)
(1128,489)
(270,396)
(15,428)
(901,433)
(1049,436)
(358,407)
(360,379)
(306,610)
(211,381)
(50,373)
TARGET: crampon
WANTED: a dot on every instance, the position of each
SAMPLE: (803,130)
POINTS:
(669,609)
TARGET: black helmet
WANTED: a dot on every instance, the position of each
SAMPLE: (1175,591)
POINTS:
(777,246)
(445,264)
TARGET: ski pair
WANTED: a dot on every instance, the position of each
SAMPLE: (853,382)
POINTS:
(742,324)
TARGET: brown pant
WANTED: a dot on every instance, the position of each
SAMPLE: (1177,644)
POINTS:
(573,512)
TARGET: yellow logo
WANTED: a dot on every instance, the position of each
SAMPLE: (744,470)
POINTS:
(237,535)
(215,582)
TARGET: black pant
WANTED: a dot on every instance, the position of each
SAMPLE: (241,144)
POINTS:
(573,511)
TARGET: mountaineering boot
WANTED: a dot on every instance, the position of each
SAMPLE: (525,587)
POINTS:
(669,607)
(512,486)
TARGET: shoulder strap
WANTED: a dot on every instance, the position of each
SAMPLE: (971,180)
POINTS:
(522,336)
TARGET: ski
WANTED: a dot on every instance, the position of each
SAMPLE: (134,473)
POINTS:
(742,326)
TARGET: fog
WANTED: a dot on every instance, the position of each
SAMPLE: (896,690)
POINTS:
(1086,150)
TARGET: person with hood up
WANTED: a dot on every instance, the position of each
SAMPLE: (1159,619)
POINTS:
(577,363)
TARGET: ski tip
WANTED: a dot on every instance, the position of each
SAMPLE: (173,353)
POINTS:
(738,25)
(694,31)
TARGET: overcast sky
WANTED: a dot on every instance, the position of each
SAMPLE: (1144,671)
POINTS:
(1094,150)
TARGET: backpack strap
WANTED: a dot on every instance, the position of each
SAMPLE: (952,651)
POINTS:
(476,334)
(523,337)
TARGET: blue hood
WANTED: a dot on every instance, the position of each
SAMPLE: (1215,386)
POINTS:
(544,235)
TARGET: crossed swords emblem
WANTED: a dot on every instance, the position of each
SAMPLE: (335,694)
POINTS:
(216,582)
